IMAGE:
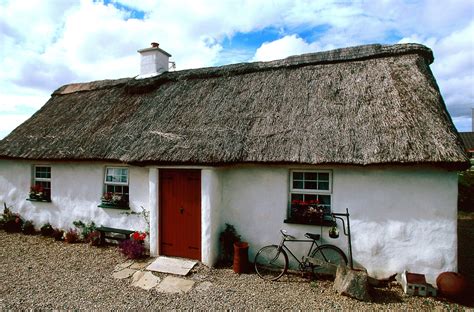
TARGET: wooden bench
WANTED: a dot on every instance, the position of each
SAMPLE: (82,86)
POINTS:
(106,231)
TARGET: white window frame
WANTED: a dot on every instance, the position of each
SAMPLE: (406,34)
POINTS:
(116,183)
(311,191)
(41,179)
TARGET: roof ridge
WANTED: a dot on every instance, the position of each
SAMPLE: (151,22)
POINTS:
(361,52)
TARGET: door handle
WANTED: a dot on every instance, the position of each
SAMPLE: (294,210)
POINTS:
(181,210)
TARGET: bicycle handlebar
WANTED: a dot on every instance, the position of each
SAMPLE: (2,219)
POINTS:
(286,235)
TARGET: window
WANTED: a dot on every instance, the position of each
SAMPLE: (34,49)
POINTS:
(41,184)
(310,196)
(115,188)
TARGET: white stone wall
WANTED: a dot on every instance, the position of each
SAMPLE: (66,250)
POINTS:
(400,218)
(76,189)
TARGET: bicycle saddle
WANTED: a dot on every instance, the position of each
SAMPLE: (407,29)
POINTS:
(313,236)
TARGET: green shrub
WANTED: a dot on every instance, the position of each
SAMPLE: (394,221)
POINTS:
(227,238)
(466,191)
(46,230)
(28,228)
(11,222)
(58,234)
(85,229)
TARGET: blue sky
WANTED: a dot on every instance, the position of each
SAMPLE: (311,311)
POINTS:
(45,44)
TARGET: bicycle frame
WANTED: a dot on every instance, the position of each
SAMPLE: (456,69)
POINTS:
(313,246)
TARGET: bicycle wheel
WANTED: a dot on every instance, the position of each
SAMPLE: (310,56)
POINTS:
(331,255)
(271,263)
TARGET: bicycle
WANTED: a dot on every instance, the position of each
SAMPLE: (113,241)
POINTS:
(271,262)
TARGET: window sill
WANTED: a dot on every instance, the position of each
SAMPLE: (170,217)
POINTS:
(112,206)
(39,200)
(310,222)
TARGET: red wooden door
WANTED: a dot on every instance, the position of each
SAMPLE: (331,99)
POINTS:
(180,213)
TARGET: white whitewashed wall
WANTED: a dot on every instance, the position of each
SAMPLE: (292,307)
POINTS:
(400,218)
(76,189)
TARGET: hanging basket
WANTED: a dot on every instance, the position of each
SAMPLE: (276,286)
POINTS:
(333,232)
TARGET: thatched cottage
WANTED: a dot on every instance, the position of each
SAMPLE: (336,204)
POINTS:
(252,145)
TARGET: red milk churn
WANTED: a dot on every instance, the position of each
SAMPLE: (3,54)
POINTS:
(241,257)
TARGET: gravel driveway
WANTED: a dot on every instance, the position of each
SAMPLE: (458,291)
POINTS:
(39,273)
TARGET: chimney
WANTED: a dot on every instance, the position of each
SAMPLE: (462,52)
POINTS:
(154,61)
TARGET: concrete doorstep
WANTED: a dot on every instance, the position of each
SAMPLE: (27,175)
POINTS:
(144,279)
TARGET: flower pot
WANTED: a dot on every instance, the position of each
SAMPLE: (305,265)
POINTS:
(452,285)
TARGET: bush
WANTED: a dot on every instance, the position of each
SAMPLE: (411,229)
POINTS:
(132,249)
(46,230)
(12,222)
(466,193)
(85,229)
(94,238)
(28,228)
(227,238)
(71,236)
(58,234)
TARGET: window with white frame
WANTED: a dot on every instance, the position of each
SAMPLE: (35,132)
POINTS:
(116,186)
(310,195)
(41,184)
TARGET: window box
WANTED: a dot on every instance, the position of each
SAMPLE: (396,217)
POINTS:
(322,222)
(38,199)
(113,206)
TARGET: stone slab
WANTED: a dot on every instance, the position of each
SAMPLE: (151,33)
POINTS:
(172,265)
(145,280)
(139,265)
(173,285)
(125,273)
(123,265)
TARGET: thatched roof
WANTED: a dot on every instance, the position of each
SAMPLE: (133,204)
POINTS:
(468,140)
(364,105)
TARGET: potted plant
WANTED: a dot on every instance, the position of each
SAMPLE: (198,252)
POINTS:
(94,238)
(115,199)
(37,192)
(306,211)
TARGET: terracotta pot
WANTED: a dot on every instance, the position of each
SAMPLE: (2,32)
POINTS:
(452,285)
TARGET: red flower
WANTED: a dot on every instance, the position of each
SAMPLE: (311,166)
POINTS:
(138,236)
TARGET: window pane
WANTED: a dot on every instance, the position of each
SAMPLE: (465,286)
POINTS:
(298,184)
(43,172)
(310,185)
(324,199)
(323,185)
(123,179)
(323,176)
(308,197)
(311,176)
(296,197)
(297,175)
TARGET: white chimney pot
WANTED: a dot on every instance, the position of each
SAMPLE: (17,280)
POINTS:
(154,61)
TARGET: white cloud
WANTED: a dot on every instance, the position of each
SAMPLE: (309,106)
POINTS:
(45,44)
(284,47)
